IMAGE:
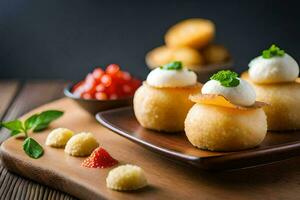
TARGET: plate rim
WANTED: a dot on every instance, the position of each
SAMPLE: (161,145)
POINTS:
(283,151)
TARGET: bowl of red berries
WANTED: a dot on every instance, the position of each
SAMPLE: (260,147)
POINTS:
(104,89)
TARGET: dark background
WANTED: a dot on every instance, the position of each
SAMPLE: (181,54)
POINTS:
(64,39)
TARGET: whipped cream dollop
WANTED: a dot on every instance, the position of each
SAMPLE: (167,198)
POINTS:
(273,70)
(243,94)
(171,78)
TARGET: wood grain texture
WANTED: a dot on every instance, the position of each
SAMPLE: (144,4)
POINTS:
(276,145)
(8,90)
(167,179)
(32,94)
(15,187)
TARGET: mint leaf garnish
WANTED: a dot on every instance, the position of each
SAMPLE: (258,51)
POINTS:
(272,52)
(227,78)
(176,65)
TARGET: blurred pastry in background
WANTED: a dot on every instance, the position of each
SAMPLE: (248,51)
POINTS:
(215,54)
(274,76)
(159,56)
(189,57)
(194,33)
(190,41)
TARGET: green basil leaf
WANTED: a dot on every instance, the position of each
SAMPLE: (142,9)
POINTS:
(15,132)
(40,127)
(31,121)
(13,125)
(45,118)
(32,148)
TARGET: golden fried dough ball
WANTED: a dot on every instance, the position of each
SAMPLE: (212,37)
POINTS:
(283,113)
(219,128)
(189,57)
(163,109)
(194,33)
(215,54)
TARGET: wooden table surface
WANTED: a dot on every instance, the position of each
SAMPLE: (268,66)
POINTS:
(279,180)
(17,98)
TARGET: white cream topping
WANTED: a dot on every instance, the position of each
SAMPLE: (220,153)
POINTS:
(273,70)
(243,94)
(171,78)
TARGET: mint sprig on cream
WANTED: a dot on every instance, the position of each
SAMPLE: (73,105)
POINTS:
(227,78)
(176,65)
(273,51)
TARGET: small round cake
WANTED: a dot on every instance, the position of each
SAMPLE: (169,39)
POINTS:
(226,116)
(81,144)
(59,137)
(194,33)
(274,78)
(162,102)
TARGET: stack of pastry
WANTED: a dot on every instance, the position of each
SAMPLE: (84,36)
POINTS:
(189,41)
(162,102)
(274,76)
(226,115)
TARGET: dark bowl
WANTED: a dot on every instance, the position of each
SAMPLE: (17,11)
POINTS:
(94,106)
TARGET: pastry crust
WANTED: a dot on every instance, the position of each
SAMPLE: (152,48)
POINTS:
(219,100)
(163,109)
(194,33)
(284,99)
(219,128)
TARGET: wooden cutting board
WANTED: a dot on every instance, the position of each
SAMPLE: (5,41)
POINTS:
(167,179)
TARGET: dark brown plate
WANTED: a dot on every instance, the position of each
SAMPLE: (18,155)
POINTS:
(275,147)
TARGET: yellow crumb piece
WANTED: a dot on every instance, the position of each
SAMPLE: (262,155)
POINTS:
(81,144)
(59,137)
(126,177)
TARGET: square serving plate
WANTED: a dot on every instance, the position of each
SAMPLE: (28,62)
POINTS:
(275,147)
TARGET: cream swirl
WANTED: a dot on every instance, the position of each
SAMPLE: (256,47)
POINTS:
(171,78)
(273,70)
(243,94)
